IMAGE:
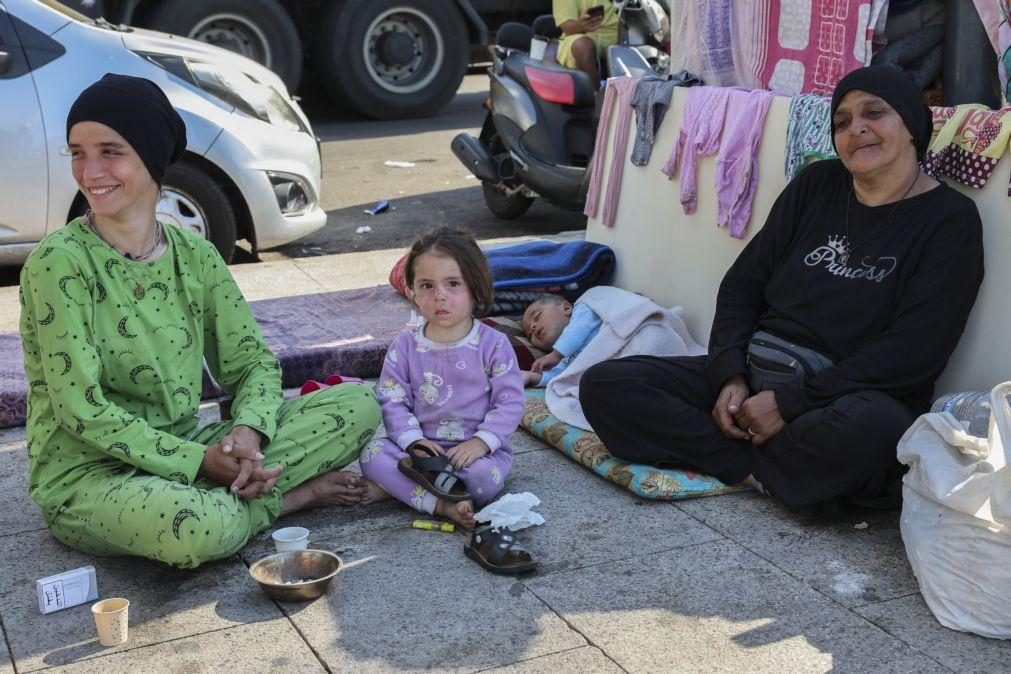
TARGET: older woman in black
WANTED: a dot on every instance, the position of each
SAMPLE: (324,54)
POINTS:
(864,274)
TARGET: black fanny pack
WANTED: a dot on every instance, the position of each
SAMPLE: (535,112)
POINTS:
(773,360)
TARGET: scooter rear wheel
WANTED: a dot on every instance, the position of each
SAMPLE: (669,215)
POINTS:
(504,206)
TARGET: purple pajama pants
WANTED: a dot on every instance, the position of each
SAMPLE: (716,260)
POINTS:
(484,478)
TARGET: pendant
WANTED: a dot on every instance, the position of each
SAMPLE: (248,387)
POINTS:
(138,291)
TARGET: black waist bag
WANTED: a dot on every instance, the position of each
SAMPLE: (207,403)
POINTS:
(773,360)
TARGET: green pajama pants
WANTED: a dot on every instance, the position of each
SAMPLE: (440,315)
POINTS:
(121,510)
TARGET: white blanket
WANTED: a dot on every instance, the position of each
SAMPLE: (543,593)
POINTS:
(631,325)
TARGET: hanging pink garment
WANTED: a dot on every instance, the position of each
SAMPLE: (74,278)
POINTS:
(617,95)
(737,163)
(701,126)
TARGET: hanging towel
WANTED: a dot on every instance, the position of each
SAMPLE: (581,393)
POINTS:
(809,132)
(968,146)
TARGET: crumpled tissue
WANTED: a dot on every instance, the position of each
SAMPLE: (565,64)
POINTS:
(512,511)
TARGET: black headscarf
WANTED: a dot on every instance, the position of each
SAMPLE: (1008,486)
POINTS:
(140,112)
(892,85)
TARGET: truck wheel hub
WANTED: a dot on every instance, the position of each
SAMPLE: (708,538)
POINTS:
(395,48)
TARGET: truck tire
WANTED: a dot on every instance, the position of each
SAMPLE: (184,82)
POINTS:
(391,59)
(258,29)
(192,200)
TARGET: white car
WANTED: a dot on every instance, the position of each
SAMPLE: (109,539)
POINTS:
(252,166)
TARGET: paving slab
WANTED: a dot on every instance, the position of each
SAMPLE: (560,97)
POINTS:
(409,600)
(6,664)
(521,441)
(165,604)
(585,659)
(12,436)
(718,607)
(271,646)
(267,280)
(852,566)
(909,618)
(589,520)
(18,513)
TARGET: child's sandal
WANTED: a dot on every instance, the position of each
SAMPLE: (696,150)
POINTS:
(435,473)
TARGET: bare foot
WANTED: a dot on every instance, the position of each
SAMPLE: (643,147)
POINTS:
(750,481)
(462,513)
(373,493)
(337,487)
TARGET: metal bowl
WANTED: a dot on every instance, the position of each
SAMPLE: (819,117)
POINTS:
(296,575)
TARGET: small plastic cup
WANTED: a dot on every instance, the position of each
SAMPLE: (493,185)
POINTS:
(291,538)
(112,620)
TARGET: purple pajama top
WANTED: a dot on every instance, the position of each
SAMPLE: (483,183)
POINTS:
(448,393)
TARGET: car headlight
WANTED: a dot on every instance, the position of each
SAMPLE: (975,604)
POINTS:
(232,87)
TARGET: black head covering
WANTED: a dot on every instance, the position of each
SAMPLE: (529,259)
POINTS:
(138,111)
(894,86)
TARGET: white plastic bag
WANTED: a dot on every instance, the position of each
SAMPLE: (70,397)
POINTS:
(512,511)
(956,518)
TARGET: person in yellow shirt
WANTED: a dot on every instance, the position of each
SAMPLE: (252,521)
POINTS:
(588,28)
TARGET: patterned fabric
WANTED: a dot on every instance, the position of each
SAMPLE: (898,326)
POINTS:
(788,46)
(1004,49)
(584,447)
(809,132)
(969,143)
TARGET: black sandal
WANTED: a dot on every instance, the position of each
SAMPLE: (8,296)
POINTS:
(435,473)
(499,552)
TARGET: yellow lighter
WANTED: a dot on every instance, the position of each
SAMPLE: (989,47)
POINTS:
(433,525)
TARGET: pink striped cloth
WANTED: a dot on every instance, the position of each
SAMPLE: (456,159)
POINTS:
(617,99)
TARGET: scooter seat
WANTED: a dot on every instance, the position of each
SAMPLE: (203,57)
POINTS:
(583,91)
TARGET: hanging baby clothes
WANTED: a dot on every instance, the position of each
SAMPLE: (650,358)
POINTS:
(617,95)
(701,126)
(650,101)
(737,163)
(969,144)
(808,133)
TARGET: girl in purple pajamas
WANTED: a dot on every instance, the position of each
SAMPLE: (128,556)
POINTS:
(452,385)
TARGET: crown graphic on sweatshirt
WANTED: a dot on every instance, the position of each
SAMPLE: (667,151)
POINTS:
(840,244)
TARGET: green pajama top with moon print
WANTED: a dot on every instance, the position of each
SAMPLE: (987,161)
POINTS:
(113,353)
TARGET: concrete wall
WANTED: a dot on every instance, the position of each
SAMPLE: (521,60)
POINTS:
(679,259)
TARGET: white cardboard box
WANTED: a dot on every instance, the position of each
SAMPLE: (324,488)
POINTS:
(67,589)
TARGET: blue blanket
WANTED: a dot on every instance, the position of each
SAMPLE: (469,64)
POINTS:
(543,264)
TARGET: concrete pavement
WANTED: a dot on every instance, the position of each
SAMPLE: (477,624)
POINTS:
(727,583)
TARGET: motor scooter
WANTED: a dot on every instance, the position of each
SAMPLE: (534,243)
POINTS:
(538,136)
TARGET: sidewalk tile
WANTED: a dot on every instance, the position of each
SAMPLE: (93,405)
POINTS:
(589,520)
(910,619)
(717,607)
(165,603)
(11,436)
(411,599)
(852,566)
(18,513)
(6,666)
(586,659)
(267,280)
(272,646)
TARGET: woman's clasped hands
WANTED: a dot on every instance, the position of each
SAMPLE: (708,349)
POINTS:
(236,462)
(742,416)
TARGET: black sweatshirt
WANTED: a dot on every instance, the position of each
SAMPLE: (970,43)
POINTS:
(889,315)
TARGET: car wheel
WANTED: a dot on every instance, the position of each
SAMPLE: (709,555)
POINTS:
(192,200)
(258,29)
(392,59)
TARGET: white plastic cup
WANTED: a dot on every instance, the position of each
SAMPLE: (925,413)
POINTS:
(291,538)
(112,620)
(538,45)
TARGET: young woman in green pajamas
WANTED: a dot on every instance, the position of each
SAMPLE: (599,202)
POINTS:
(118,314)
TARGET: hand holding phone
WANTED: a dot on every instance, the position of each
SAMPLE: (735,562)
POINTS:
(596,11)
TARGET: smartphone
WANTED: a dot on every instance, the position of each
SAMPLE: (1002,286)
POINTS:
(596,11)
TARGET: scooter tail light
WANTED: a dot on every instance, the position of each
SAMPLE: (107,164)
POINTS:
(551,86)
